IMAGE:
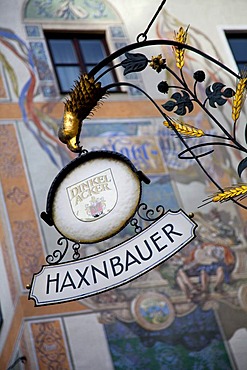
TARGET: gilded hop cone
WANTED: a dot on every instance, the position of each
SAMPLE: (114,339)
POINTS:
(82,100)
(158,63)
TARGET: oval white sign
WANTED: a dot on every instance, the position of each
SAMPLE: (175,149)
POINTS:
(94,197)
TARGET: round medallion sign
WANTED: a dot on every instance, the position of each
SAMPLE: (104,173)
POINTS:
(153,311)
(94,197)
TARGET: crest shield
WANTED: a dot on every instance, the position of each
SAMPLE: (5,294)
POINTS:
(94,197)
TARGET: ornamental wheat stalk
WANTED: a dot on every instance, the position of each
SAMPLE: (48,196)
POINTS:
(229,193)
(238,98)
(180,36)
(185,129)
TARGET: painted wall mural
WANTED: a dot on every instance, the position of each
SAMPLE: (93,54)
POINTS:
(70,10)
(171,317)
(42,127)
(180,315)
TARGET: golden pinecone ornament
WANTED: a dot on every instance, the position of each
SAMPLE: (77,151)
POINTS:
(82,100)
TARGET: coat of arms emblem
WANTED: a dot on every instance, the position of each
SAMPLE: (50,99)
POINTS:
(93,197)
(96,207)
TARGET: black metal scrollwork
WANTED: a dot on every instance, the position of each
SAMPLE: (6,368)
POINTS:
(134,222)
(58,255)
(186,98)
(76,254)
(146,214)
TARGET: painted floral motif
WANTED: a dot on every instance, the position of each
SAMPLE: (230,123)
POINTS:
(49,345)
(9,163)
(26,239)
(17,195)
(40,61)
(69,9)
(33,31)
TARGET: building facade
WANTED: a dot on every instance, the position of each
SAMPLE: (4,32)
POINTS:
(190,311)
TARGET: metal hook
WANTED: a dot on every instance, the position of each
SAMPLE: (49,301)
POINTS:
(144,34)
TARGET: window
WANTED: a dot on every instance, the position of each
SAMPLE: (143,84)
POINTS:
(73,54)
(238,45)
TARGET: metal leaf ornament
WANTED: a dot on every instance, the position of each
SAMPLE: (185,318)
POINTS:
(182,102)
(134,63)
(216,95)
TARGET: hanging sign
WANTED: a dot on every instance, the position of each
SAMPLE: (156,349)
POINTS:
(116,266)
(94,196)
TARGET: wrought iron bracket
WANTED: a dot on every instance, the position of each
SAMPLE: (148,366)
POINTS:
(146,214)
(143,213)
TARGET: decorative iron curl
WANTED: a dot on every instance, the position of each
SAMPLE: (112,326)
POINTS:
(150,214)
(57,255)
(146,214)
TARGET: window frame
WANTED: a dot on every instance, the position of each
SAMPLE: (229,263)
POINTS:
(75,37)
(240,34)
